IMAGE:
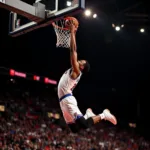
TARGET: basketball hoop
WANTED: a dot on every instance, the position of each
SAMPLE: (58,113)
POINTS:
(62,33)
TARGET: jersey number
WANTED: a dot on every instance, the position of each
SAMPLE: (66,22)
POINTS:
(73,87)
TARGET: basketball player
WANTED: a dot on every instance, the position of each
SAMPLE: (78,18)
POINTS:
(72,115)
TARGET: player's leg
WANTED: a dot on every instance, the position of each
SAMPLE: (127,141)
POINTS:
(88,120)
(80,121)
(83,123)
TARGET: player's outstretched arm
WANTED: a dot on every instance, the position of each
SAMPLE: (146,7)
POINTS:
(73,53)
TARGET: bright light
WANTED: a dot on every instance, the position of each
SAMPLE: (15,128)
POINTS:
(95,16)
(122,25)
(117,28)
(142,30)
(69,3)
(88,12)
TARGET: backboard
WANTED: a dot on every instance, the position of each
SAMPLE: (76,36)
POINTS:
(25,17)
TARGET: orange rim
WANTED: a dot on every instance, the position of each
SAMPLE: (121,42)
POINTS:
(66,18)
(71,18)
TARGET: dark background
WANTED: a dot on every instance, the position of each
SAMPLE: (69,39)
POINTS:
(120,66)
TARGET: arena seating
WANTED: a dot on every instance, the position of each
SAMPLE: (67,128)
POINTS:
(24,125)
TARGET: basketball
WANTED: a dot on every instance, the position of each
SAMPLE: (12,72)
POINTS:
(74,20)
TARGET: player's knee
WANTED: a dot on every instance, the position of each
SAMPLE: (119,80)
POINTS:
(85,124)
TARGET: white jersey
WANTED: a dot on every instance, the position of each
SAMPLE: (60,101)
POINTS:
(67,84)
(68,104)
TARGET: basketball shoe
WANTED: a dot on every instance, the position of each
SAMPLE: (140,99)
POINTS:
(89,113)
(109,117)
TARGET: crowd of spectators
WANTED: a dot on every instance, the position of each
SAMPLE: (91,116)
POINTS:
(25,125)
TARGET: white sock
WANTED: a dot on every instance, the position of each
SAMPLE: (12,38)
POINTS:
(102,116)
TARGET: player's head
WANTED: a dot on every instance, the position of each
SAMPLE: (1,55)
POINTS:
(84,66)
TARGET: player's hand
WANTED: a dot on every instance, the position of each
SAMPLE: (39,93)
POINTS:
(72,27)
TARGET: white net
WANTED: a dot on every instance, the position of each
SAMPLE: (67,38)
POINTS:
(62,34)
